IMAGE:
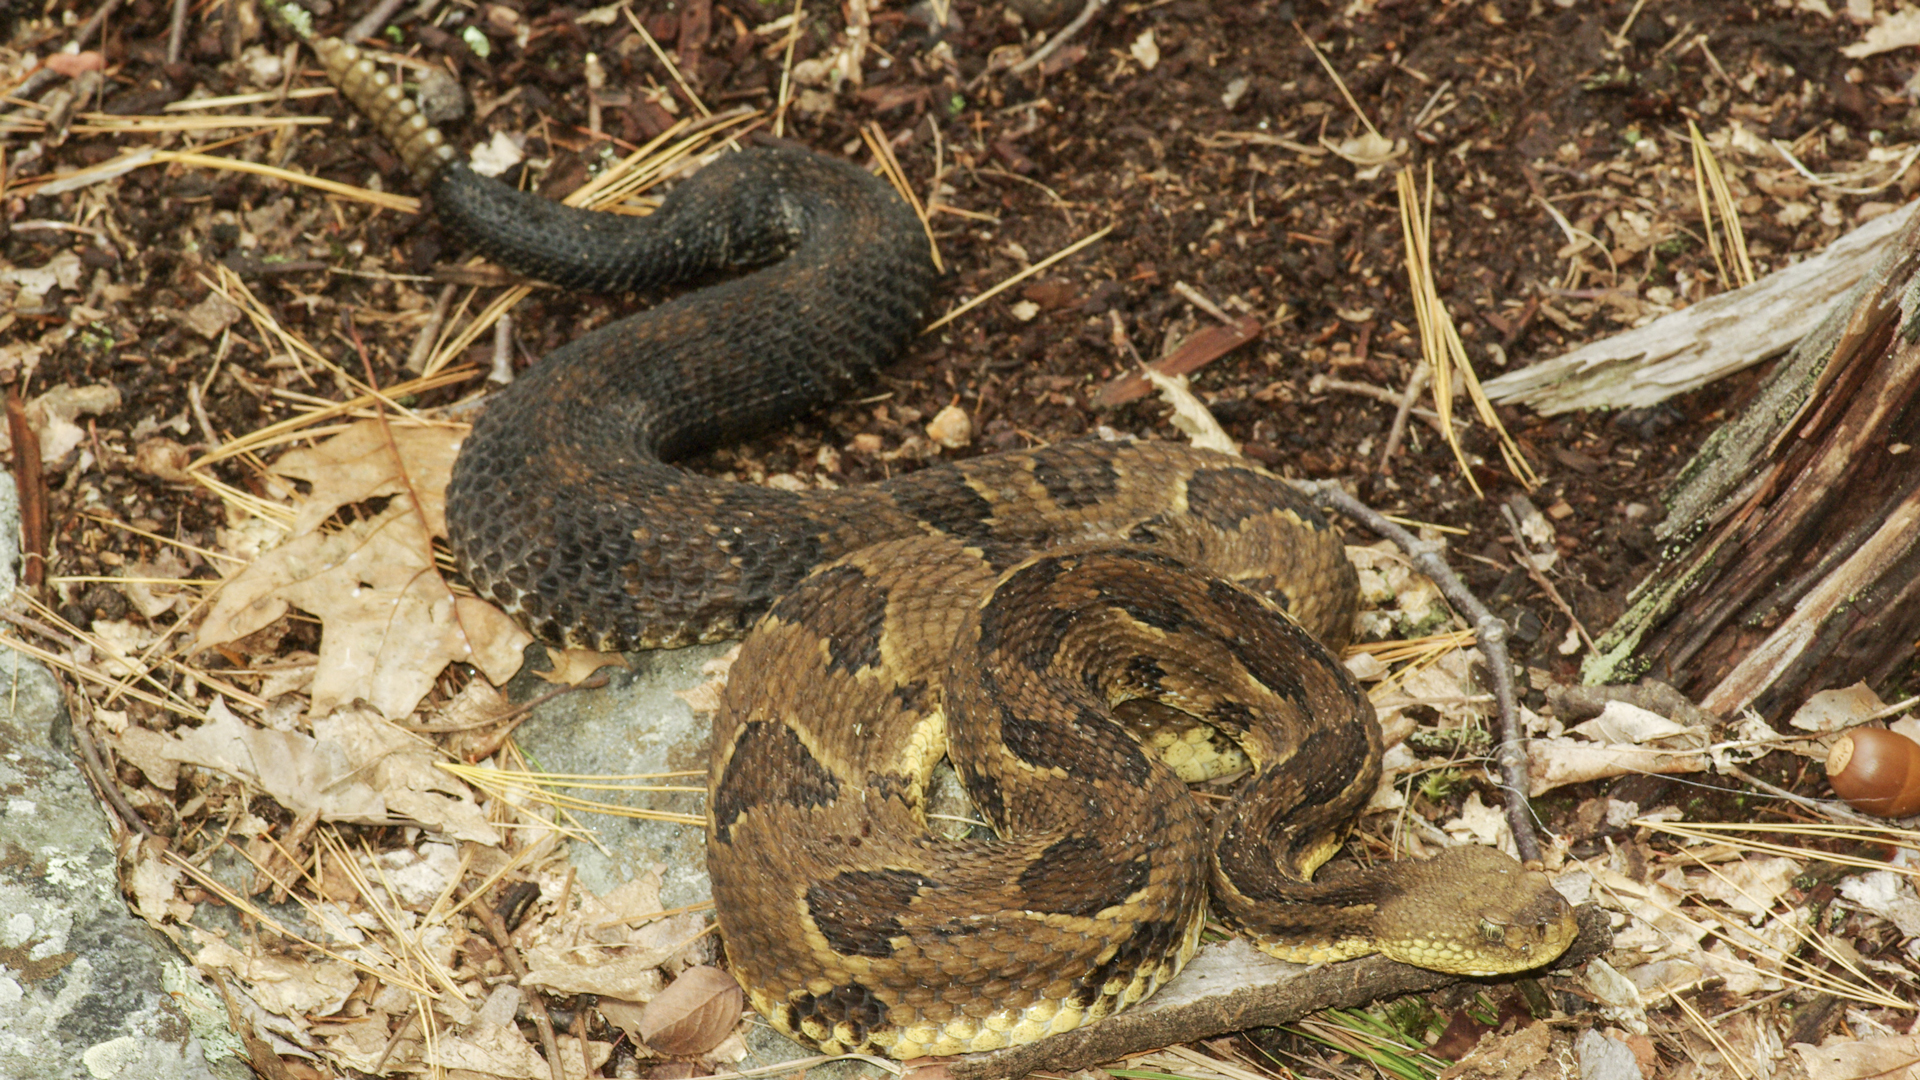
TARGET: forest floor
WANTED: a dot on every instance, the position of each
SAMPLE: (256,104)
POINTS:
(161,309)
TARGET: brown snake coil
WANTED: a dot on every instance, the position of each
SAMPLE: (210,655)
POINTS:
(1066,625)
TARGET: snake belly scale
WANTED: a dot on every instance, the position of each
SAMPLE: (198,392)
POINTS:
(1024,615)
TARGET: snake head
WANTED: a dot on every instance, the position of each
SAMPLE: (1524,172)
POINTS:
(1474,911)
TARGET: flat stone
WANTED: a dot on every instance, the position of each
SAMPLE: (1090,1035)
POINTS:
(634,725)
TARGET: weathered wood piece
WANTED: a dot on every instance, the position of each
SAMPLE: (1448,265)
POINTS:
(1794,535)
(1696,345)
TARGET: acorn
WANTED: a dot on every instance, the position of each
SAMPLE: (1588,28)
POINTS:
(1877,771)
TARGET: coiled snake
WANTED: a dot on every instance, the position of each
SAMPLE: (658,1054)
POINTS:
(1026,614)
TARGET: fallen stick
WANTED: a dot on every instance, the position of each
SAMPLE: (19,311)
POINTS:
(1232,987)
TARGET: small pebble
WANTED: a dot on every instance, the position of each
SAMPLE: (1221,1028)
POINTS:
(951,427)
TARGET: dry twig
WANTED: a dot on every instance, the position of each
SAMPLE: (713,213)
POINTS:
(1330,986)
(1078,24)
(1491,633)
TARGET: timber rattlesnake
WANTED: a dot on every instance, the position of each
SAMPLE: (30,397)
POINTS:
(1020,612)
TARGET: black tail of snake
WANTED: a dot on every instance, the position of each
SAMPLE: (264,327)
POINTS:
(1064,623)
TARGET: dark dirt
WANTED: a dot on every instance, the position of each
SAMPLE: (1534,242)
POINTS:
(1209,167)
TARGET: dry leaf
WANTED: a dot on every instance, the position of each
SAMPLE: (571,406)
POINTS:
(1367,150)
(54,415)
(288,985)
(1834,710)
(359,464)
(1190,414)
(1897,31)
(211,315)
(1557,762)
(706,697)
(154,882)
(951,427)
(1146,50)
(300,773)
(389,622)
(1888,1057)
(571,667)
(1502,1056)
(693,1013)
(1620,722)
(1479,823)
(406,772)
(358,769)
(634,977)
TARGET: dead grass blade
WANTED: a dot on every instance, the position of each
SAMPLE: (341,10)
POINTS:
(84,673)
(205,553)
(515,787)
(247,907)
(786,71)
(110,124)
(307,425)
(420,960)
(876,140)
(1016,279)
(1719,217)
(1839,975)
(406,204)
(666,61)
(1732,834)
(1440,341)
(260,97)
(1338,82)
(1726,1052)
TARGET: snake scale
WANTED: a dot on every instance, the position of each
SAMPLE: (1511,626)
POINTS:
(1056,622)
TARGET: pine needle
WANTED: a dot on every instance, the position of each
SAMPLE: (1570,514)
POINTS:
(1718,214)
(1440,342)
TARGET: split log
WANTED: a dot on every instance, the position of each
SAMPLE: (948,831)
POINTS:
(1696,345)
(1793,562)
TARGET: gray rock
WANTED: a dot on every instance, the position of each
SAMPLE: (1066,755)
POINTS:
(84,985)
(634,725)
(1602,1058)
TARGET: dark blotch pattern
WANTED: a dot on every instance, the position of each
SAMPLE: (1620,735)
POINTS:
(1266,660)
(1074,482)
(860,605)
(1077,876)
(1219,496)
(943,498)
(1149,939)
(770,765)
(858,911)
(1050,745)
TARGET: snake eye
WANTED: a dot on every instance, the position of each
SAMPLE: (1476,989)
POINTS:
(1492,932)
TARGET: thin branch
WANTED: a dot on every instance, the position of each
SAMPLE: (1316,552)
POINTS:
(32,84)
(1329,986)
(1491,633)
(177,32)
(1422,374)
(1079,23)
(536,1008)
(373,21)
